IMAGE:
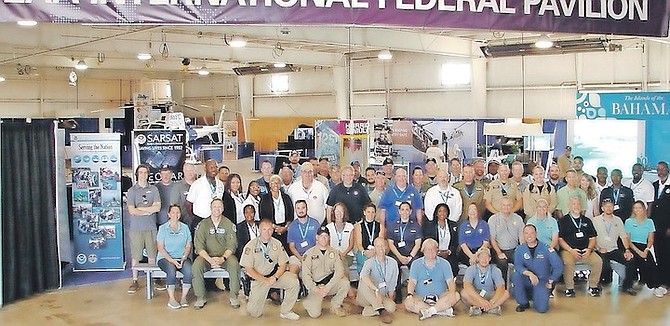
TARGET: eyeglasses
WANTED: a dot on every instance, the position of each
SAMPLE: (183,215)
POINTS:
(381,173)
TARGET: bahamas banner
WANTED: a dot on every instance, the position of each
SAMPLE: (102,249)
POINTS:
(624,106)
(96,201)
(159,148)
(626,17)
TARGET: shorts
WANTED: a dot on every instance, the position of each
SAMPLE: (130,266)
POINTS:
(293,260)
(140,240)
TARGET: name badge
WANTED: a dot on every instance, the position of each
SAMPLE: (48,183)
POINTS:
(616,207)
(482,293)
(401,244)
(304,244)
(212,230)
(468,231)
(381,285)
(579,235)
(220,231)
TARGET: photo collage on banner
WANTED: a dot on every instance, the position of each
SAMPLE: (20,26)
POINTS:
(97,202)
(342,141)
(159,148)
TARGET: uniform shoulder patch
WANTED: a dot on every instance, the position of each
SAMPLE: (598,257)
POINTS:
(331,255)
(247,251)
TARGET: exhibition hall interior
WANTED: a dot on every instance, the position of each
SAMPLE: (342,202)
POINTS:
(115,114)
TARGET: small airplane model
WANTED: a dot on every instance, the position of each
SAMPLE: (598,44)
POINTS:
(213,133)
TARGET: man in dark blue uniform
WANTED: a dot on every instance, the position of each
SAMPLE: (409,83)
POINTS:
(537,267)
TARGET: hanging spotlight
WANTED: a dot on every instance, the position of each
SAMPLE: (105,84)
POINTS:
(144,56)
(385,55)
(238,42)
(203,71)
(26,23)
(81,65)
(544,42)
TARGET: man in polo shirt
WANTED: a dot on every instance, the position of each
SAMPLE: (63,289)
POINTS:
(394,195)
(203,191)
(564,194)
(404,239)
(500,188)
(484,286)
(610,229)
(506,229)
(642,189)
(555,178)
(577,238)
(165,189)
(602,180)
(620,195)
(264,180)
(431,289)
(443,192)
(180,192)
(314,193)
(351,194)
(143,202)
(301,236)
(358,178)
(480,171)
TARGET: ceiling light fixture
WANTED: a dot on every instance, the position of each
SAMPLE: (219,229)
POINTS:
(203,71)
(385,55)
(2,79)
(81,65)
(144,56)
(544,42)
(26,23)
(280,64)
(238,42)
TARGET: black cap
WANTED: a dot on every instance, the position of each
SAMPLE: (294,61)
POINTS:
(388,160)
(355,162)
(568,148)
(431,159)
(293,152)
(322,230)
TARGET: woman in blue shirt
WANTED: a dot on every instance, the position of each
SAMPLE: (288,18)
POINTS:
(473,234)
(640,231)
(174,249)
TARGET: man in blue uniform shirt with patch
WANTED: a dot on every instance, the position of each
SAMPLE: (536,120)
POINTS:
(394,195)
(537,268)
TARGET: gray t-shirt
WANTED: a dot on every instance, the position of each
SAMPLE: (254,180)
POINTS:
(487,281)
(508,232)
(178,196)
(382,274)
(142,197)
(165,191)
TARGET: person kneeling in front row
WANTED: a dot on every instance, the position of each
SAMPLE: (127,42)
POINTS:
(378,281)
(265,260)
(484,286)
(431,289)
(537,267)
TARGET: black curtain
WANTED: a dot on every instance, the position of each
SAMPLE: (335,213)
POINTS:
(29,246)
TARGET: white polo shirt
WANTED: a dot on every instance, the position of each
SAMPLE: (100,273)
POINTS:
(201,195)
(643,190)
(316,197)
(450,196)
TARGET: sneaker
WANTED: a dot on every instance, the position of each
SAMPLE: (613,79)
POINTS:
(594,292)
(338,311)
(664,290)
(630,291)
(424,314)
(658,292)
(496,311)
(551,293)
(447,312)
(235,303)
(199,304)
(173,304)
(159,285)
(183,303)
(522,307)
(290,316)
(385,316)
(133,287)
(474,311)
(570,293)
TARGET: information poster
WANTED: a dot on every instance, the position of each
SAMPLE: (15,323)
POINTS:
(342,141)
(96,201)
(159,148)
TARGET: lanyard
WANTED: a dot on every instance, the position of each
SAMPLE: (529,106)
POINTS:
(339,234)
(442,231)
(277,202)
(254,229)
(399,196)
(579,227)
(212,188)
(402,230)
(371,234)
(303,233)
(484,277)
(238,197)
(427,269)
(445,195)
(615,194)
(263,248)
(380,269)
(608,226)
(307,191)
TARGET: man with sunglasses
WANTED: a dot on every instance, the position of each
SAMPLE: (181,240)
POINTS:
(484,286)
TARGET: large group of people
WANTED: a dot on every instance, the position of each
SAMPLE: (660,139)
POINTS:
(507,234)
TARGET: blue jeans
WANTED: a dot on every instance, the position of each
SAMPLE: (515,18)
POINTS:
(171,271)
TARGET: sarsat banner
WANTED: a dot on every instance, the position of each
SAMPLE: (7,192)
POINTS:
(627,17)
(624,106)
(160,148)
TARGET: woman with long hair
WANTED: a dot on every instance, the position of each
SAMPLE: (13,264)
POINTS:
(365,233)
(592,197)
(342,231)
(173,241)
(445,232)
(640,231)
(253,198)
(233,199)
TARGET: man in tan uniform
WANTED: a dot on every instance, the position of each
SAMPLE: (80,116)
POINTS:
(323,275)
(472,192)
(265,261)
(500,188)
